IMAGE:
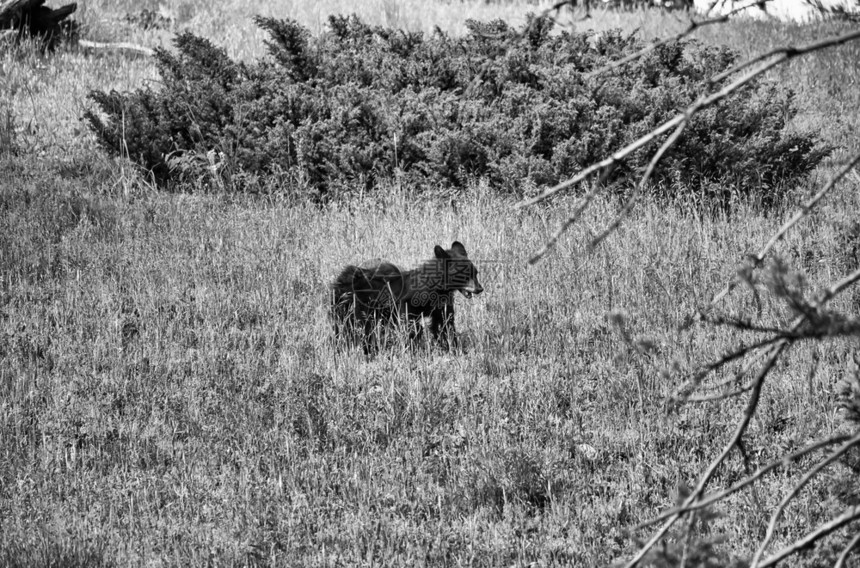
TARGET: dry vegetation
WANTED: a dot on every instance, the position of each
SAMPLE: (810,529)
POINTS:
(171,394)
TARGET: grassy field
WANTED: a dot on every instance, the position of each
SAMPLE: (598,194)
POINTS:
(171,394)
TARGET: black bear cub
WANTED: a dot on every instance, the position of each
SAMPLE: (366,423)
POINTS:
(368,301)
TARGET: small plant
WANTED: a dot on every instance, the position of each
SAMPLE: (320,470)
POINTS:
(8,138)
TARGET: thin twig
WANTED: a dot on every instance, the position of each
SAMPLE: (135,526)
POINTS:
(581,206)
(787,52)
(836,328)
(824,530)
(743,325)
(774,519)
(804,211)
(752,405)
(640,187)
(790,335)
(696,381)
(550,244)
(597,187)
(693,26)
(844,556)
(701,103)
(606,162)
(755,476)
(722,395)
(683,393)
(774,354)
(837,288)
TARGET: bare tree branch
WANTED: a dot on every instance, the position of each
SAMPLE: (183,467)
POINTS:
(752,405)
(742,325)
(756,385)
(830,328)
(607,162)
(771,527)
(773,347)
(758,474)
(586,200)
(804,211)
(581,206)
(693,26)
(787,53)
(722,395)
(835,289)
(824,530)
(701,103)
(840,562)
(640,188)
(683,394)
(792,334)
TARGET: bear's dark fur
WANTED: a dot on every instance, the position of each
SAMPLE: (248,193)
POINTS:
(366,301)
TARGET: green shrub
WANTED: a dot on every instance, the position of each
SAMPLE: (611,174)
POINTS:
(357,104)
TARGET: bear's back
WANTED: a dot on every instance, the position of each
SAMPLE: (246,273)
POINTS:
(373,279)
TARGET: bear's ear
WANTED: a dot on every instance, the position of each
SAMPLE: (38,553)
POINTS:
(440,252)
(458,248)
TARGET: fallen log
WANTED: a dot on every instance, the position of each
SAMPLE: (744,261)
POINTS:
(122,46)
(31,18)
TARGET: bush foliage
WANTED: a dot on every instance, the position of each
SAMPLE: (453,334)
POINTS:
(359,104)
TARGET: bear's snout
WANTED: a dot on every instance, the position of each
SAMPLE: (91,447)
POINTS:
(473,287)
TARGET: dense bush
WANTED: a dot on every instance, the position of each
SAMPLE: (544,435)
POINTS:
(359,103)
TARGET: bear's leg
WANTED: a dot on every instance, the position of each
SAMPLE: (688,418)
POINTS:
(372,336)
(416,332)
(442,327)
(344,322)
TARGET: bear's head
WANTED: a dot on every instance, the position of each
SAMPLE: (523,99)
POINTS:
(459,272)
